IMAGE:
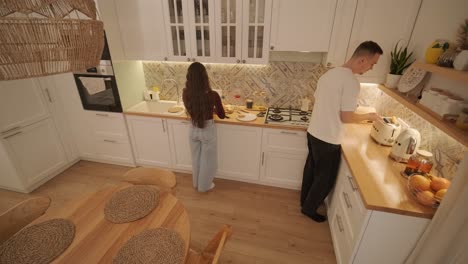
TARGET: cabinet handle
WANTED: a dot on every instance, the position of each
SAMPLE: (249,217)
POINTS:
(238,61)
(48,95)
(110,141)
(272,47)
(263,157)
(346,198)
(98,114)
(188,59)
(351,182)
(329,64)
(165,58)
(163,126)
(243,61)
(340,223)
(288,133)
(193,59)
(11,129)
(19,132)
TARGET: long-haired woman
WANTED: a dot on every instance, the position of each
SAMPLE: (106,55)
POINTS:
(201,102)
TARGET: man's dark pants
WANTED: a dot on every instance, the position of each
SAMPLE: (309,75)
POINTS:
(320,172)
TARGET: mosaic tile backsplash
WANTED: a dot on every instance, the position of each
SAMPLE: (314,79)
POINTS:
(276,84)
(284,83)
(447,152)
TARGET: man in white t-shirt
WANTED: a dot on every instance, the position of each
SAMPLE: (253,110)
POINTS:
(335,102)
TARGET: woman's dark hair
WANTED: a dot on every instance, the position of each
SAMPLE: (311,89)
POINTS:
(197,94)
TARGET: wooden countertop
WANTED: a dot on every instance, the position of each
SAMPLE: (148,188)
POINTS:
(232,120)
(378,176)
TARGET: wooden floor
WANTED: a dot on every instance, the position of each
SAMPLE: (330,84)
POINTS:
(267,224)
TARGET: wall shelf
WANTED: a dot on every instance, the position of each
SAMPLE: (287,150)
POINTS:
(444,125)
(449,73)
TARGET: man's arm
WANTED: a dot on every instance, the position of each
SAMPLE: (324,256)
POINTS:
(352,117)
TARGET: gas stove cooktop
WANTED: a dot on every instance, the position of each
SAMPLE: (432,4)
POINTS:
(287,116)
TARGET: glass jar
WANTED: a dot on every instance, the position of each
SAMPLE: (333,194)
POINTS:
(419,162)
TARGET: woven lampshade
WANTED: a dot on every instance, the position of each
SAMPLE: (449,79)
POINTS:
(45,37)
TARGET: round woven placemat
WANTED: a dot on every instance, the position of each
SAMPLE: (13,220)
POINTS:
(40,243)
(156,246)
(132,203)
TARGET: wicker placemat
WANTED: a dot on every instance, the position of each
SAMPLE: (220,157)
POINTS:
(40,243)
(131,204)
(156,246)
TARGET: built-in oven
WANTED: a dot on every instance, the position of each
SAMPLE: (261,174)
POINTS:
(97,86)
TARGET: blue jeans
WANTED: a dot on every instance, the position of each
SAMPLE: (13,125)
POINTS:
(203,144)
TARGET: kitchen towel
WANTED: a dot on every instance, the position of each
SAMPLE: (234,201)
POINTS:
(93,85)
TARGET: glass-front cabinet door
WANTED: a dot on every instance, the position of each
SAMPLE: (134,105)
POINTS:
(229,31)
(202,30)
(256,30)
(177,25)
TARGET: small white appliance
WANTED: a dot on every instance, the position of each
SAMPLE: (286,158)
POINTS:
(151,95)
(405,144)
(305,102)
(385,130)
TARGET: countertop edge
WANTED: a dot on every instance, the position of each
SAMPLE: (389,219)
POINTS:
(259,122)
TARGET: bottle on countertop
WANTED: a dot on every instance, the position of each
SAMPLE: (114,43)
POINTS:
(419,162)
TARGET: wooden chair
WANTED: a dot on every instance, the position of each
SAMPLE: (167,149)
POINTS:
(21,215)
(212,252)
(162,178)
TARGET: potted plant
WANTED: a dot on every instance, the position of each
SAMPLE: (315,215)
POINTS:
(399,62)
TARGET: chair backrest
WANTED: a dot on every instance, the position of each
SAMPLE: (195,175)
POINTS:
(152,176)
(21,215)
(212,252)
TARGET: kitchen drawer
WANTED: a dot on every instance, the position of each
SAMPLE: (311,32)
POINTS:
(114,150)
(108,124)
(350,200)
(285,139)
(340,231)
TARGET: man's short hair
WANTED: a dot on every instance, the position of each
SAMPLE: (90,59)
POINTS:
(367,48)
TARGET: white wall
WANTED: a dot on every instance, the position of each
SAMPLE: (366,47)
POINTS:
(130,81)
(437,20)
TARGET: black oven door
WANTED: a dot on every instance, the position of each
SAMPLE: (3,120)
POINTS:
(98,92)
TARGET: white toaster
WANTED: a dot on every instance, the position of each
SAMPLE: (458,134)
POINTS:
(385,130)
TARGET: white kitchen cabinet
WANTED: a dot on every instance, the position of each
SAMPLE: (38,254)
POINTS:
(22,103)
(98,136)
(180,145)
(141,26)
(150,141)
(239,151)
(103,137)
(302,25)
(189,27)
(243,31)
(36,151)
(361,235)
(34,142)
(284,153)
(372,20)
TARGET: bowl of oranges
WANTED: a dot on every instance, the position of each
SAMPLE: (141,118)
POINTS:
(428,190)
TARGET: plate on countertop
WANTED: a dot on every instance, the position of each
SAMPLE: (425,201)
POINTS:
(246,117)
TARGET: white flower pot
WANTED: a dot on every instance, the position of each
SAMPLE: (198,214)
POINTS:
(392,80)
(461,61)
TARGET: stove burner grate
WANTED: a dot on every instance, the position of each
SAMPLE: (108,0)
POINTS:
(275,117)
(303,113)
(305,118)
(276,110)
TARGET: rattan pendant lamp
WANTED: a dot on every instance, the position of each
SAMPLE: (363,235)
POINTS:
(45,37)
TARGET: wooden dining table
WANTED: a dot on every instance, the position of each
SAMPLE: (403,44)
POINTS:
(98,240)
